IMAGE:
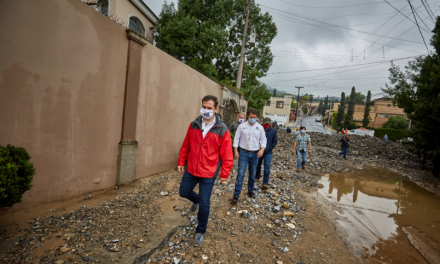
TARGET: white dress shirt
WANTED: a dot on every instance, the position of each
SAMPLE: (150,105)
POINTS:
(207,127)
(249,137)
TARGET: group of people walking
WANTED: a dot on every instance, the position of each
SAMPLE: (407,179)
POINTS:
(208,149)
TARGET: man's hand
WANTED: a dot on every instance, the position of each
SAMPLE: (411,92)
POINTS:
(293,151)
(181,169)
(310,151)
(260,153)
(224,181)
(236,154)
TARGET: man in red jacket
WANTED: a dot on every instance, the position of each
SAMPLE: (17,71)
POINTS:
(206,148)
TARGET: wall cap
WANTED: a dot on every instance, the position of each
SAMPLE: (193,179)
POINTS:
(133,35)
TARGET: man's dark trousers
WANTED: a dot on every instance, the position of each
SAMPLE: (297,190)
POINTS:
(203,198)
(267,160)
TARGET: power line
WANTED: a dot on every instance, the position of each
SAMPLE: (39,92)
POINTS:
(427,10)
(381,62)
(337,72)
(326,7)
(306,23)
(418,25)
(430,9)
(333,25)
(404,14)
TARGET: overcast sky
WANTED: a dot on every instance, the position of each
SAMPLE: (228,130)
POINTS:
(338,28)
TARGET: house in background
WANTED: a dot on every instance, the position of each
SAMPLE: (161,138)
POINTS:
(134,14)
(278,108)
(380,112)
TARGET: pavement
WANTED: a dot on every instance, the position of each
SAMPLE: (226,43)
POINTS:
(313,126)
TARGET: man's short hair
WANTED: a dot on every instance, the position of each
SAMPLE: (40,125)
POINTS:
(241,114)
(303,127)
(211,98)
(253,111)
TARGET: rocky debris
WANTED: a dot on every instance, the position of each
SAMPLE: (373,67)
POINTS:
(113,230)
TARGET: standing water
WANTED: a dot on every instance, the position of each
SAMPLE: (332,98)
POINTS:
(384,217)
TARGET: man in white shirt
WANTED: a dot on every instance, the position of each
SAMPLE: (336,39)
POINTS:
(251,138)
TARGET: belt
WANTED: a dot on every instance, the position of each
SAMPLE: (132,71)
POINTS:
(249,151)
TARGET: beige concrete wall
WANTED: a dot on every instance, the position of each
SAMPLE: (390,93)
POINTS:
(62,78)
(169,99)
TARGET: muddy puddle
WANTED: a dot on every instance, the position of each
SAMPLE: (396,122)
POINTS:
(383,217)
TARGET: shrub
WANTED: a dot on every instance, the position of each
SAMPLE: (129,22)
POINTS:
(396,122)
(393,134)
(16,174)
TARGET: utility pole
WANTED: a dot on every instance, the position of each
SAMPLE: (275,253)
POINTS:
(297,101)
(243,45)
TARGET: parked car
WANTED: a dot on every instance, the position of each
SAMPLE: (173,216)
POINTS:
(318,119)
(352,132)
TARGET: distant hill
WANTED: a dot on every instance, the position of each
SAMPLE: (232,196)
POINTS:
(280,93)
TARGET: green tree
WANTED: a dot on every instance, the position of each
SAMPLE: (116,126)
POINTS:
(293,104)
(359,98)
(341,110)
(256,96)
(305,109)
(320,106)
(207,35)
(325,106)
(274,94)
(396,122)
(417,91)
(367,117)
(311,98)
(350,110)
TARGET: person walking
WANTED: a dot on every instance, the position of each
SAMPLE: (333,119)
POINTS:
(251,138)
(344,145)
(272,140)
(385,137)
(233,127)
(304,144)
(206,142)
(288,130)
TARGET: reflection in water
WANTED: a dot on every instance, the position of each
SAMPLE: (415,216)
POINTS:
(377,206)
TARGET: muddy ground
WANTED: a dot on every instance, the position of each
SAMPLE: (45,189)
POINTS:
(136,224)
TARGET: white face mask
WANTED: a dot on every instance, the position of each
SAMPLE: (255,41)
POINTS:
(240,120)
(206,114)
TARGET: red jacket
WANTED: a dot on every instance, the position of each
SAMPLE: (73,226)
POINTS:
(203,154)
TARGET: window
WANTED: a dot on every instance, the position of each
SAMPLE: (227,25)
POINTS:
(103,7)
(268,103)
(136,25)
(280,104)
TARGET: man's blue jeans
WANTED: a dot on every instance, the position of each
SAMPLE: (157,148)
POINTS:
(244,160)
(203,198)
(344,151)
(300,155)
(267,159)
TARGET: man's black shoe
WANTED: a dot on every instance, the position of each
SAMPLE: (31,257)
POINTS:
(251,194)
(234,200)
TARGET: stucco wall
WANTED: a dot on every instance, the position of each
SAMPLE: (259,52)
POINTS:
(169,99)
(62,78)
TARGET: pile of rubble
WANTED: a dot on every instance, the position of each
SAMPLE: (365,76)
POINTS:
(269,228)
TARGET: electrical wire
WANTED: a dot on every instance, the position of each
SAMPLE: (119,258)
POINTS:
(333,25)
(327,7)
(427,10)
(418,26)
(404,15)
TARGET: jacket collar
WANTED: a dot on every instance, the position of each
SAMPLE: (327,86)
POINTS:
(199,121)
